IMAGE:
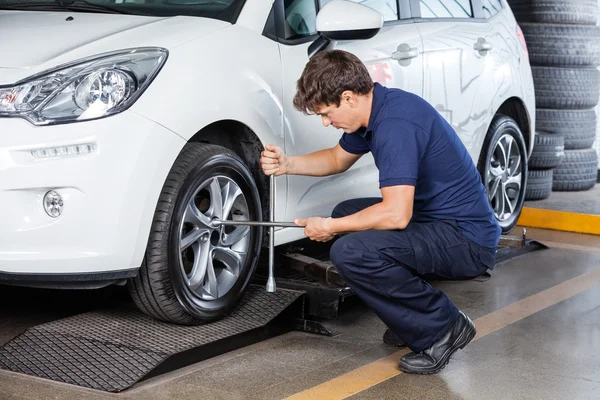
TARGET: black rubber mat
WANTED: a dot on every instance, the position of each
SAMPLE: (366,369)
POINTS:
(112,350)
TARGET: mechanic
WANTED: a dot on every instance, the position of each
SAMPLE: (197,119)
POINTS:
(433,219)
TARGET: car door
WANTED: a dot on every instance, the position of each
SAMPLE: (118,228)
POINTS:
(393,58)
(460,52)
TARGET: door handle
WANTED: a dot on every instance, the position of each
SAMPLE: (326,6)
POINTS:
(482,45)
(405,52)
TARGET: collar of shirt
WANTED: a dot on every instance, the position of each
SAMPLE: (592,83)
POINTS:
(376,104)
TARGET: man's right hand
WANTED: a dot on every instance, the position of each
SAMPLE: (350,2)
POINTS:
(274,161)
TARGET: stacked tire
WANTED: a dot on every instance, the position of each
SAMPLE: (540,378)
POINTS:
(563,40)
(548,154)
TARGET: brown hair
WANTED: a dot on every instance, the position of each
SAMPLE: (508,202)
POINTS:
(326,76)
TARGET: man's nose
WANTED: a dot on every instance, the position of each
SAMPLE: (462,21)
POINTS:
(326,121)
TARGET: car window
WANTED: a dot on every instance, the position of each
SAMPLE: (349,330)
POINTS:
(300,18)
(446,9)
(491,7)
(387,8)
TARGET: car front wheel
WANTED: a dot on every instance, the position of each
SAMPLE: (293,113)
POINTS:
(193,271)
(503,167)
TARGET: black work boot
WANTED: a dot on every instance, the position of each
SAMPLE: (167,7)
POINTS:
(390,337)
(433,359)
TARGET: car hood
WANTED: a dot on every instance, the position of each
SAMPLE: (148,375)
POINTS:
(39,40)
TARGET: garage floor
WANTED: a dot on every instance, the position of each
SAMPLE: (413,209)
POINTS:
(538,321)
(585,202)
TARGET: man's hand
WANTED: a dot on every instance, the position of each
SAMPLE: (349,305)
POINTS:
(274,161)
(316,228)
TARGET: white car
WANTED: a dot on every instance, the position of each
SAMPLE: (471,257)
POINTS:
(126,126)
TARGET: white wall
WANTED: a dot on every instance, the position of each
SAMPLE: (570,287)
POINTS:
(597,142)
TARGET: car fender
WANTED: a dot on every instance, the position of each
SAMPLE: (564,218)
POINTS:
(232,74)
(510,83)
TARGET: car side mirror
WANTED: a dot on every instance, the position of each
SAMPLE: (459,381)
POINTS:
(346,20)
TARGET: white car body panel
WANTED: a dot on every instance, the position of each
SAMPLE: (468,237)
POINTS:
(108,205)
(466,86)
(258,102)
(215,71)
(75,41)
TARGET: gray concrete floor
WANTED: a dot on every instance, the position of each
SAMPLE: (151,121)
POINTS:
(585,202)
(552,353)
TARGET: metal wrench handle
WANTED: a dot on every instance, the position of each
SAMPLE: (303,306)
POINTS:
(271,286)
(257,223)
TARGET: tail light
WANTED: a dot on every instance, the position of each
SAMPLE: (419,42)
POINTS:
(522,40)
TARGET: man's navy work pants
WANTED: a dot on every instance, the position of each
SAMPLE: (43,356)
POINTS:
(386,270)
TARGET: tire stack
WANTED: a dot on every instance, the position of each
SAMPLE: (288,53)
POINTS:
(563,40)
(548,153)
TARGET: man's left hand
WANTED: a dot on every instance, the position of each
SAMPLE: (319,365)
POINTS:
(316,228)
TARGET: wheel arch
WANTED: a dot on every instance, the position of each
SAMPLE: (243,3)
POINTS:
(515,108)
(242,140)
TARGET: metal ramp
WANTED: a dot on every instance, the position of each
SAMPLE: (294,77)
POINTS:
(112,350)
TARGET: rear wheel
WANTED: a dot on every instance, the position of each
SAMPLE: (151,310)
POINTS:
(503,168)
(194,272)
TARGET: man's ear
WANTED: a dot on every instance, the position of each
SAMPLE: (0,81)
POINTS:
(349,98)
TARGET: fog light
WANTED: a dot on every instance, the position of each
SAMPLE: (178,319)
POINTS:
(53,204)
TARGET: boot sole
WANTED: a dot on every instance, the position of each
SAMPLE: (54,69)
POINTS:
(463,340)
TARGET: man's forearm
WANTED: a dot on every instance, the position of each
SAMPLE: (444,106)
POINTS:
(378,217)
(319,163)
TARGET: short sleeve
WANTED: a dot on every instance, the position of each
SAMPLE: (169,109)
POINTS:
(401,146)
(354,143)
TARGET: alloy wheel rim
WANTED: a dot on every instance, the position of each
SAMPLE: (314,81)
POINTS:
(211,258)
(504,177)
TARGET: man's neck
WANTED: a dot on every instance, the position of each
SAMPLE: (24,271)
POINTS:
(367,106)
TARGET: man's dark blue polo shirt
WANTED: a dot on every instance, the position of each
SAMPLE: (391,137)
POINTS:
(412,144)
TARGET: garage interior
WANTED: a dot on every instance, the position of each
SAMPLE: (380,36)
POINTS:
(536,320)
(537,332)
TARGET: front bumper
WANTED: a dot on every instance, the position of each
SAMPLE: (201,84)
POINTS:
(109,195)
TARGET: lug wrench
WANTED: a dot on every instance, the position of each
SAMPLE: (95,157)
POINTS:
(271,286)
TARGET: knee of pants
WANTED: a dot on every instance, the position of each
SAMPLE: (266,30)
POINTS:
(341,210)
(345,252)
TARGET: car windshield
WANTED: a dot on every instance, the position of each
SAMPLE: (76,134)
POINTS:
(226,10)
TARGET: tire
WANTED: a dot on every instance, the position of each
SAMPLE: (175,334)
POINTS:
(539,184)
(161,290)
(580,12)
(577,172)
(562,45)
(504,130)
(548,151)
(566,88)
(577,126)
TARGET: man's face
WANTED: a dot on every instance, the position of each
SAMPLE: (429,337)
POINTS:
(344,117)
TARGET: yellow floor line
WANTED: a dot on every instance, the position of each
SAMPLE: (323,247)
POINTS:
(560,220)
(385,368)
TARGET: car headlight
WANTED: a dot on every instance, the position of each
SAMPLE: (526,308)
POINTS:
(87,89)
